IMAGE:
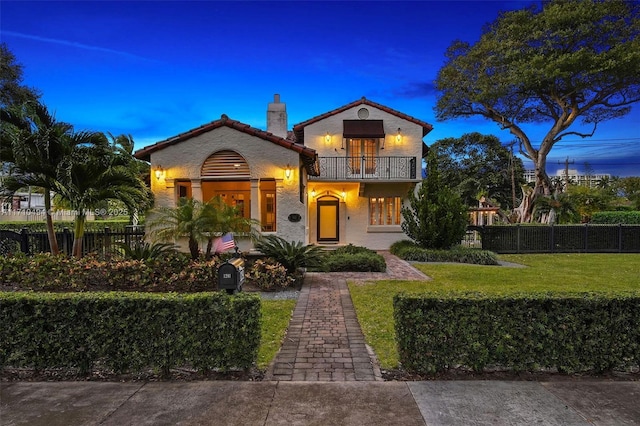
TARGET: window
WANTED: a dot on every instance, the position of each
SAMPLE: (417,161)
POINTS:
(268,205)
(233,193)
(184,189)
(385,210)
(362,152)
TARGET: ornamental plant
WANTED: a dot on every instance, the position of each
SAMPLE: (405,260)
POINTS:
(268,274)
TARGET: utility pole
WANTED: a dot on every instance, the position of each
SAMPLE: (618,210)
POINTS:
(566,171)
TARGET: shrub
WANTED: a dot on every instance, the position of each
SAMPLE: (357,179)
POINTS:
(351,249)
(129,331)
(409,251)
(436,217)
(569,333)
(352,258)
(625,218)
(359,262)
(268,274)
(292,255)
(141,250)
(45,272)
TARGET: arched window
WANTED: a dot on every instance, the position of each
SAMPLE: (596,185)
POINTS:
(225,164)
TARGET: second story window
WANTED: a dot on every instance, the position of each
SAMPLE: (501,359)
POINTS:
(362,155)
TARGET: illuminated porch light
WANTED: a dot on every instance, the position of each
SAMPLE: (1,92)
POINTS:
(159,172)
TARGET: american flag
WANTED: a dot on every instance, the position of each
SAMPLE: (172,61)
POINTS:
(224,243)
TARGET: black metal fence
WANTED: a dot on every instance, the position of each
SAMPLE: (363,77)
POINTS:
(560,238)
(103,242)
(365,167)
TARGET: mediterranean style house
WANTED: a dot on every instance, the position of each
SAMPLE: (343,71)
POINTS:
(338,178)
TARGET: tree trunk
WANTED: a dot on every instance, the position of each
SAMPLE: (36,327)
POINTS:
(51,234)
(193,248)
(78,234)
(542,187)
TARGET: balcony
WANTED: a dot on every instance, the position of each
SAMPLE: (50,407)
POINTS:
(366,168)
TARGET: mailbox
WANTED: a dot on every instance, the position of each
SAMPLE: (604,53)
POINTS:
(231,275)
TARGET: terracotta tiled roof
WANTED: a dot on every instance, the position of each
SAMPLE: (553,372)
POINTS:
(298,129)
(308,155)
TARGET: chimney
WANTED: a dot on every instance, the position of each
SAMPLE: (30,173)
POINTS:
(277,117)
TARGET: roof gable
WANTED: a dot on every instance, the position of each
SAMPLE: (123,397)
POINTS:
(298,129)
(308,153)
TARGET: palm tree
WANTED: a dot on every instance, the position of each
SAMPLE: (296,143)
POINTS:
(556,208)
(96,171)
(187,220)
(33,144)
(223,218)
(199,222)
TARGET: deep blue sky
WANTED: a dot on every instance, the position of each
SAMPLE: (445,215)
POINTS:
(154,69)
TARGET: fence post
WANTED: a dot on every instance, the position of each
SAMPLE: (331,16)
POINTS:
(518,238)
(619,238)
(65,241)
(552,240)
(106,245)
(24,241)
(586,237)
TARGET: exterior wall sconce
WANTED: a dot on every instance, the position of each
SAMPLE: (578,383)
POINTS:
(327,138)
(399,136)
(159,172)
(313,192)
(344,195)
(287,171)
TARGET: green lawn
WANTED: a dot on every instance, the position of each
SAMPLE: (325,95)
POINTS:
(544,272)
(275,320)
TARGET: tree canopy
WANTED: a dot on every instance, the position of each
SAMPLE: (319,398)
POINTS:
(571,60)
(12,91)
(476,164)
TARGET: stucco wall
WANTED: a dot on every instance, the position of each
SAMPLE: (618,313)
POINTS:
(183,161)
(354,206)
(410,145)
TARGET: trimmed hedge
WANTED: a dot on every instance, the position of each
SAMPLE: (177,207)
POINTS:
(351,258)
(567,333)
(409,251)
(46,272)
(129,331)
(624,217)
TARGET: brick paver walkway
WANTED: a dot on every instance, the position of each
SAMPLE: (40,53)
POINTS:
(324,341)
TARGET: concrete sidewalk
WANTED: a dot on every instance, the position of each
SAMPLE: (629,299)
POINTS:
(323,375)
(321,403)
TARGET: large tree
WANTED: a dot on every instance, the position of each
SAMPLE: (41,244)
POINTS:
(33,144)
(96,171)
(12,89)
(476,164)
(572,60)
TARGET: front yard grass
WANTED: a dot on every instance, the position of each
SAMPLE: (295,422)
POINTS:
(275,320)
(373,300)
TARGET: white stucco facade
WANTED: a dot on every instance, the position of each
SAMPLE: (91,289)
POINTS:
(354,193)
(325,194)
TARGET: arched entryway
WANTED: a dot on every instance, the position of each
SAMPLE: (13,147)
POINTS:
(226,174)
